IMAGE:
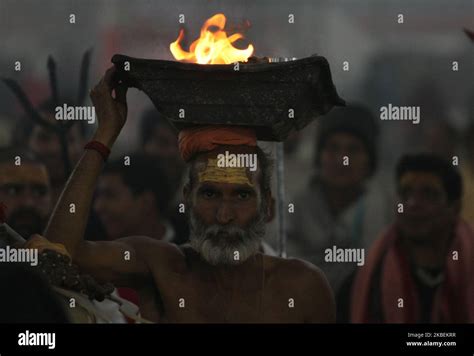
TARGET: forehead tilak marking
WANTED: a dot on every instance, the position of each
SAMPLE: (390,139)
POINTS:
(210,172)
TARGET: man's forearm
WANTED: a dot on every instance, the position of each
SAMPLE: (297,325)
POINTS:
(68,221)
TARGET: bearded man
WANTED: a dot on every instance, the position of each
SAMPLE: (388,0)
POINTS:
(25,190)
(220,276)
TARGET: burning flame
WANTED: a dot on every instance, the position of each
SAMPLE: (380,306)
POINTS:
(212,47)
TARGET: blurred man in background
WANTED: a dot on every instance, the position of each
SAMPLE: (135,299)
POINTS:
(159,139)
(339,208)
(25,190)
(45,143)
(133,199)
(421,269)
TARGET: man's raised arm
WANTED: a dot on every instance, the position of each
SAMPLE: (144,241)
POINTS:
(105,260)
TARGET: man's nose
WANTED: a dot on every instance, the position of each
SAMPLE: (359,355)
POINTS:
(414,202)
(28,199)
(225,212)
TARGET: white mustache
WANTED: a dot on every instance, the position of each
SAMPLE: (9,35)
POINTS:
(219,244)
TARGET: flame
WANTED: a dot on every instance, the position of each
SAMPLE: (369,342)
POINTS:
(212,47)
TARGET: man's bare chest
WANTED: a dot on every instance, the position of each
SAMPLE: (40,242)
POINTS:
(196,297)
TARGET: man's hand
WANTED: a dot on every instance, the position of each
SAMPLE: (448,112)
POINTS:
(111,111)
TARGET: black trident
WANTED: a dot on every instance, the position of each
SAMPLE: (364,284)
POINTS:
(60,128)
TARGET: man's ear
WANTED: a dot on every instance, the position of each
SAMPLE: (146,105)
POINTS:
(270,213)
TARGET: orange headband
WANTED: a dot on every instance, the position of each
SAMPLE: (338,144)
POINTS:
(206,138)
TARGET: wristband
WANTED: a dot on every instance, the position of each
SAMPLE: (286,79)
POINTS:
(99,147)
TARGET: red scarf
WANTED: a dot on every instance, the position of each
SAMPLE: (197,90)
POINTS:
(453,300)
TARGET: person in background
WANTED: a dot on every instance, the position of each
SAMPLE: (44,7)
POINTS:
(341,207)
(158,138)
(133,199)
(25,190)
(420,270)
(45,144)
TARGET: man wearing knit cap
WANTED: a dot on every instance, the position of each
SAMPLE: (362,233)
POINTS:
(341,212)
(220,276)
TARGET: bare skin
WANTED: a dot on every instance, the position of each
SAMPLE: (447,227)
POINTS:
(176,285)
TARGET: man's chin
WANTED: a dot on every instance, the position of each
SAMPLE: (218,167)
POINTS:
(224,256)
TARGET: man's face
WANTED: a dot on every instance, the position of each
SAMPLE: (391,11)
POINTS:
(333,170)
(120,211)
(227,217)
(46,145)
(25,190)
(427,211)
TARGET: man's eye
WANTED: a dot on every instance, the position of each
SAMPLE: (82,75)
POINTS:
(12,190)
(40,192)
(244,195)
(208,194)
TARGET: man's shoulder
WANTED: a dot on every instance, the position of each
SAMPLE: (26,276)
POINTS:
(308,284)
(154,250)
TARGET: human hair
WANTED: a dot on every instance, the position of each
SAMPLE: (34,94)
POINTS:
(143,174)
(430,163)
(354,119)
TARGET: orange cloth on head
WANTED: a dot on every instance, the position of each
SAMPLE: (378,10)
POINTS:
(206,138)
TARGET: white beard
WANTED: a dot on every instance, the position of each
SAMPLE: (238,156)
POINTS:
(226,245)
